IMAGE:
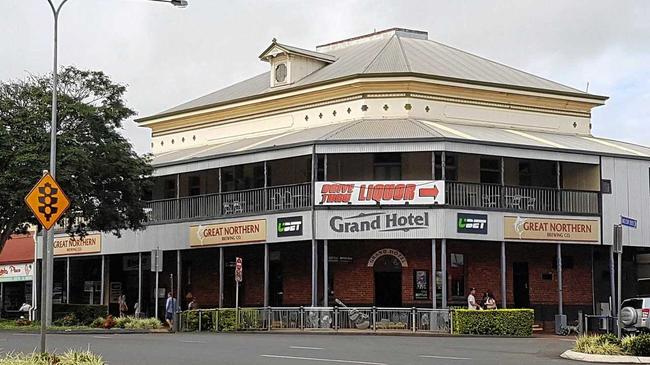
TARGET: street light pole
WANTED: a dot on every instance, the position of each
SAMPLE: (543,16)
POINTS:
(48,237)
(47,270)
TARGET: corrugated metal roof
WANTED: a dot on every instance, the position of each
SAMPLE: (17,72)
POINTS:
(407,130)
(390,55)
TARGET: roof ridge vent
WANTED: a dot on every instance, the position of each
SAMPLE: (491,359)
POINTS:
(381,34)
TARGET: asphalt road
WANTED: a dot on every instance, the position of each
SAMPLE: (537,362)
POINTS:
(299,349)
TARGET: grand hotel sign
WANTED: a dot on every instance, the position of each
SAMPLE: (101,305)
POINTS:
(387,223)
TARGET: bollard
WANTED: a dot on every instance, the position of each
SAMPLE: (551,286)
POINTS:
(216,322)
(413,317)
(374,318)
(200,315)
(580,318)
(302,318)
(336,318)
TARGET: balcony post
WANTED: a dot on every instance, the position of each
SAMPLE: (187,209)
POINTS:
(502,190)
(443,269)
(314,243)
(178,196)
(325,167)
(325,274)
(559,280)
(434,284)
(504,299)
(266,193)
(221,265)
(219,197)
(266,273)
(558,183)
(443,165)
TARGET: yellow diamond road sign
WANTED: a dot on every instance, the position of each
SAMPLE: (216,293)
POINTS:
(48,201)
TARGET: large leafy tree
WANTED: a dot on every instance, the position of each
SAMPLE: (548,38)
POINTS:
(96,165)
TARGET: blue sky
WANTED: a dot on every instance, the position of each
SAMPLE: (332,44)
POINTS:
(168,56)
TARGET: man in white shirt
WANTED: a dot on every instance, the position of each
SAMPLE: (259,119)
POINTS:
(471,300)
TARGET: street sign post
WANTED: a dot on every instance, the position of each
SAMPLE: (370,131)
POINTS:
(618,248)
(238,279)
(48,202)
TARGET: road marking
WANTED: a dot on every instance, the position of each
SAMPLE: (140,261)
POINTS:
(103,337)
(445,357)
(305,348)
(26,334)
(190,341)
(323,360)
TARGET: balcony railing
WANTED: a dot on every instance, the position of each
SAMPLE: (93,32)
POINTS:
(519,198)
(226,204)
(299,196)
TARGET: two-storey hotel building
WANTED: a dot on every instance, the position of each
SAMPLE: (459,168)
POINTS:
(387,170)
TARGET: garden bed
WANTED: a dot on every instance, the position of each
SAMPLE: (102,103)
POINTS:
(610,349)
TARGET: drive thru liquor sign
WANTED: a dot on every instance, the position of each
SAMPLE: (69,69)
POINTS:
(425,192)
(47,201)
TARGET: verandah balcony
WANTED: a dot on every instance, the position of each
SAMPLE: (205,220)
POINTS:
(299,196)
(235,203)
(521,198)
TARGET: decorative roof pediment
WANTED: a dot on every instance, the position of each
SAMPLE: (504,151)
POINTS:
(278,48)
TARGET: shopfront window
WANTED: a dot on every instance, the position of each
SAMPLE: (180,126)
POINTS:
(457,275)
(388,166)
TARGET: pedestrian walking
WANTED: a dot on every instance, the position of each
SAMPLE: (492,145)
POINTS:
(488,301)
(471,300)
(170,308)
(121,302)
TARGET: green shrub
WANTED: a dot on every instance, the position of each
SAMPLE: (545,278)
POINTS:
(598,345)
(142,323)
(191,320)
(499,322)
(609,338)
(84,313)
(637,345)
(68,320)
(98,322)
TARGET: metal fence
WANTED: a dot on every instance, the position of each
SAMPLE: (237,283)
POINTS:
(367,319)
(536,199)
(274,198)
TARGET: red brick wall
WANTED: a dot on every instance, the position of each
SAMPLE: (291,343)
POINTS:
(354,282)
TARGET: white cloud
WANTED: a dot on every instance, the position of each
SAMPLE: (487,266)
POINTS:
(169,55)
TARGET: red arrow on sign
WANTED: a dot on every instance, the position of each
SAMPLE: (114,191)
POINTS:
(429,192)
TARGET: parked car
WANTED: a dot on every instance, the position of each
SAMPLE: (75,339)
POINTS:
(635,313)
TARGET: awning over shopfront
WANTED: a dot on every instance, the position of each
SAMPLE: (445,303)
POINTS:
(16,259)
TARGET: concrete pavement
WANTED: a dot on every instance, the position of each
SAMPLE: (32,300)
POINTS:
(298,349)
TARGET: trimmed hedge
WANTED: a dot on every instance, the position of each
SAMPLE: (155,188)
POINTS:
(84,314)
(227,319)
(498,322)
